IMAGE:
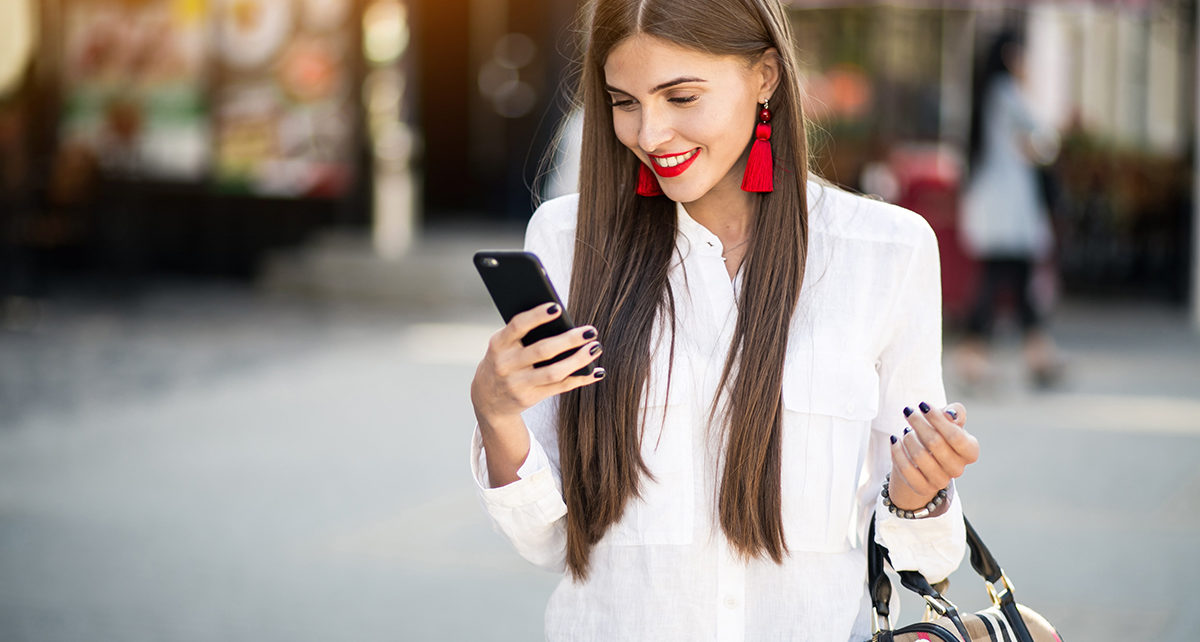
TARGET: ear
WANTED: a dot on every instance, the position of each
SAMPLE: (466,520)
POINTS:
(768,72)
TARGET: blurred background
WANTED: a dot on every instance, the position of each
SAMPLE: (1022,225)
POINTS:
(238,318)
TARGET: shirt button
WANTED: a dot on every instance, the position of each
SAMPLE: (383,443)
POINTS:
(731,602)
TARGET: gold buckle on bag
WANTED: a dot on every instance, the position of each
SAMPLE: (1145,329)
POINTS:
(934,605)
(997,596)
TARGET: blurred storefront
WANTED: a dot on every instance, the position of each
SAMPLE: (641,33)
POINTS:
(196,134)
(182,134)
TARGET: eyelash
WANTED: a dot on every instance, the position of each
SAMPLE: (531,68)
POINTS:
(678,100)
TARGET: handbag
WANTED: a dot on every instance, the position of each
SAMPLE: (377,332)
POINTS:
(1004,621)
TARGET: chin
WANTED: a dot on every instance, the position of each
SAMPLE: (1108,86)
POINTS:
(683,193)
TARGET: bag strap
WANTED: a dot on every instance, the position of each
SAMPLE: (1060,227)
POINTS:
(982,561)
(981,558)
(989,569)
(877,581)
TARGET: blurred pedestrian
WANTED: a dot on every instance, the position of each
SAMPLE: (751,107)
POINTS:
(764,337)
(1005,225)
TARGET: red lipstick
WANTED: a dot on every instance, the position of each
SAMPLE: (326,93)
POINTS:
(673,170)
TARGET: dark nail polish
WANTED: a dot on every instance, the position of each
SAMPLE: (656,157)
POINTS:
(594,349)
(598,373)
(907,430)
(924,407)
(552,309)
(894,440)
(907,411)
(589,334)
(953,413)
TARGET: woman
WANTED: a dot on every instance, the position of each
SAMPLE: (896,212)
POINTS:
(1005,225)
(715,478)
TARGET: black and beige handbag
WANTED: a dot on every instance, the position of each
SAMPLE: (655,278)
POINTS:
(1004,621)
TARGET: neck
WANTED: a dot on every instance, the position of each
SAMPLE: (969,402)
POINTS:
(725,210)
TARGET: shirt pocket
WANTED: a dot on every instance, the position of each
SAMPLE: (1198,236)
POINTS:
(663,514)
(829,403)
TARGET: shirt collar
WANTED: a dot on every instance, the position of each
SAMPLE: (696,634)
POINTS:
(695,233)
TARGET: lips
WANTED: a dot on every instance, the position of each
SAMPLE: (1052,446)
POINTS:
(670,165)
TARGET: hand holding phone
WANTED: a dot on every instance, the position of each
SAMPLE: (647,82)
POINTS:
(517,282)
(538,354)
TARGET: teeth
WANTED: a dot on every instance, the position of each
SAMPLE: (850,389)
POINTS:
(672,161)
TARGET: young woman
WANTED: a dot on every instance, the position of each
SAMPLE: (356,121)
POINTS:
(768,357)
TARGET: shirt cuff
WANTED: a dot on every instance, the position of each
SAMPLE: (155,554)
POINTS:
(537,491)
(932,545)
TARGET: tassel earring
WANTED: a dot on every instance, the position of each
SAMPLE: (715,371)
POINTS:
(760,167)
(647,184)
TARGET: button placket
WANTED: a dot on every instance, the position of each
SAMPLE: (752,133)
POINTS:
(731,587)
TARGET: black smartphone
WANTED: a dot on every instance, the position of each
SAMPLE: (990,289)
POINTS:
(518,282)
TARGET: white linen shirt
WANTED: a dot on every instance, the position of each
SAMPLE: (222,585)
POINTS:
(865,342)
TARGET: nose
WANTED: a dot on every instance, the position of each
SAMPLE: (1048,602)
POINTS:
(655,130)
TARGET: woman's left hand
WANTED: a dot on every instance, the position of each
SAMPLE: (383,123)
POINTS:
(934,450)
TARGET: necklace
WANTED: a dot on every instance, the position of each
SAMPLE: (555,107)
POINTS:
(730,249)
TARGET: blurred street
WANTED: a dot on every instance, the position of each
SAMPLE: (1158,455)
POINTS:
(199,461)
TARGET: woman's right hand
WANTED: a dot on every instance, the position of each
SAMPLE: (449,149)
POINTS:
(506,383)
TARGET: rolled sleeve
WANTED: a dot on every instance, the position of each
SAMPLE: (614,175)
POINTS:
(934,546)
(535,470)
(529,512)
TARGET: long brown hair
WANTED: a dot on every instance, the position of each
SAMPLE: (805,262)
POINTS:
(623,249)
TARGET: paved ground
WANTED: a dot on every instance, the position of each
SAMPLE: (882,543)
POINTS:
(190,461)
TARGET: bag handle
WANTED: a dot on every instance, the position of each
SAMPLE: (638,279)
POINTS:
(877,581)
(982,561)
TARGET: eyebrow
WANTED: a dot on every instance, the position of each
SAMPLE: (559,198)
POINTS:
(666,85)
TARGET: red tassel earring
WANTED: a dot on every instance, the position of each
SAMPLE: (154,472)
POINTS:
(647,184)
(760,167)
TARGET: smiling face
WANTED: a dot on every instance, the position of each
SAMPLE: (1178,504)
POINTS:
(687,114)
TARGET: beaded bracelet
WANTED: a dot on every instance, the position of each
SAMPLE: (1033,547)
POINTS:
(938,500)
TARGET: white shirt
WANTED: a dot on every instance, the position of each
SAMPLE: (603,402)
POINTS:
(865,342)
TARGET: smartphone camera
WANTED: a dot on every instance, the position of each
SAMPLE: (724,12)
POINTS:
(488,261)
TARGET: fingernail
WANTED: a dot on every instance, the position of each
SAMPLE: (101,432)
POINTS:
(552,309)
(594,349)
(923,406)
(589,334)
(907,430)
(598,373)
(894,440)
(907,411)
(952,412)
